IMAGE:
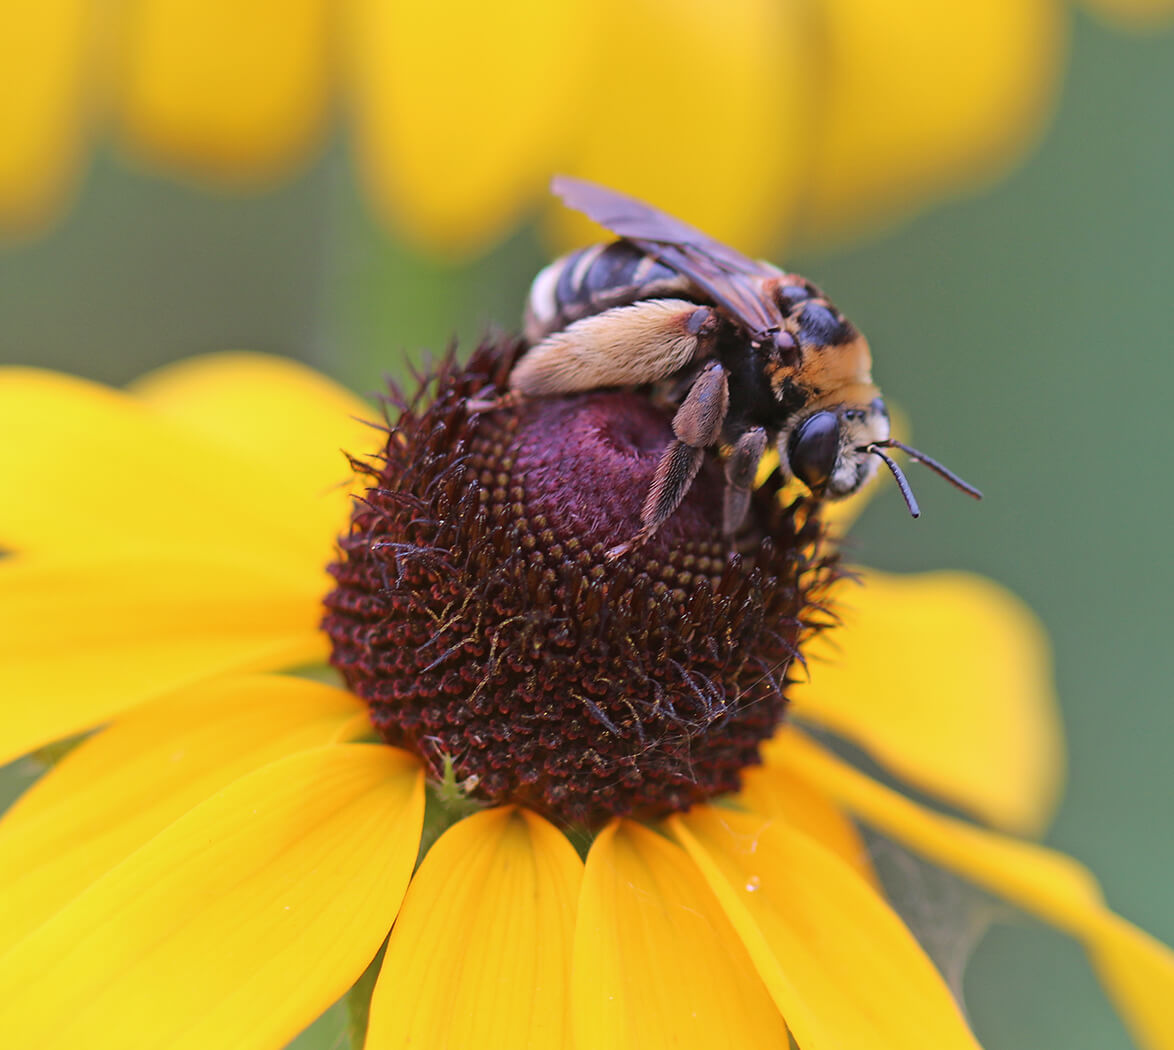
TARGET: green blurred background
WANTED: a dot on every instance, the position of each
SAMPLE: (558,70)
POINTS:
(1027,332)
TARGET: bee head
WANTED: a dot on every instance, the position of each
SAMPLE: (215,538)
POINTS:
(828,450)
(834,451)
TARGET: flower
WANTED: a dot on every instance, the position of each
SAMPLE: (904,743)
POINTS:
(224,859)
(814,116)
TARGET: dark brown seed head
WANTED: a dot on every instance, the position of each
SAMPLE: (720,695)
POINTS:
(477,615)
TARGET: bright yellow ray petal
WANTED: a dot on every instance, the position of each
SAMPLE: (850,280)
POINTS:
(481,952)
(815,929)
(236,925)
(43,52)
(1039,880)
(289,419)
(924,96)
(944,678)
(124,785)
(236,90)
(463,110)
(1137,970)
(779,793)
(656,964)
(84,638)
(705,111)
(82,465)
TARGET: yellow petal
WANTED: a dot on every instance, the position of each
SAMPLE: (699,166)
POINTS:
(1039,880)
(124,785)
(236,925)
(779,793)
(1137,970)
(481,952)
(944,678)
(286,417)
(84,638)
(81,464)
(704,111)
(657,964)
(924,97)
(235,90)
(1134,14)
(43,52)
(75,452)
(464,110)
(822,936)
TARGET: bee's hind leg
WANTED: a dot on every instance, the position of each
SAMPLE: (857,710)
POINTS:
(678,466)
(697,425)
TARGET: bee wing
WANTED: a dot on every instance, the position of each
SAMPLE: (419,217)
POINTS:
(729,290)
(638,221)
(715,268)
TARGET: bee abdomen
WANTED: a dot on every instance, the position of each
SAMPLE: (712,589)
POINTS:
(593,280)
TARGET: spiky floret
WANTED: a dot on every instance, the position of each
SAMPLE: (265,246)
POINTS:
(476,613)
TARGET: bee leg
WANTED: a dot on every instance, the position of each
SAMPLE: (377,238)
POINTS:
(510,399)
(699,420)
(697,424)
(678,466)
(741,468)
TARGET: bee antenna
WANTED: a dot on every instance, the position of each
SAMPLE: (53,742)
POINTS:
(933,465)
(902,481)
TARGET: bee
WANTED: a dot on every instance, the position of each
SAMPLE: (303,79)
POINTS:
(758,355)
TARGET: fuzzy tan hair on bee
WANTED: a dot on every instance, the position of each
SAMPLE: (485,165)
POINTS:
(624,346)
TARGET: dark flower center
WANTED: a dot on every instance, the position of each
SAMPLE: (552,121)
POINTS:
(477,615)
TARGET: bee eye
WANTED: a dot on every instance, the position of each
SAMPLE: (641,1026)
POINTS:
(813,449)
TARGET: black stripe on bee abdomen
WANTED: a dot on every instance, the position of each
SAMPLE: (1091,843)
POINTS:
(621,267)
(593,280)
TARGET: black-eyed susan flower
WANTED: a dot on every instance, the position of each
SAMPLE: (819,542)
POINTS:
(768,113)
(608,862)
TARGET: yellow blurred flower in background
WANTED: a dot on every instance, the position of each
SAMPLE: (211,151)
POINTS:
(753,118)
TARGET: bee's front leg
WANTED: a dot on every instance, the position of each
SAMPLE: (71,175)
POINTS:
(697,424)
(741,468)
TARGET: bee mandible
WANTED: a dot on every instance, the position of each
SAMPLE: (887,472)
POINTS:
(767,357)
